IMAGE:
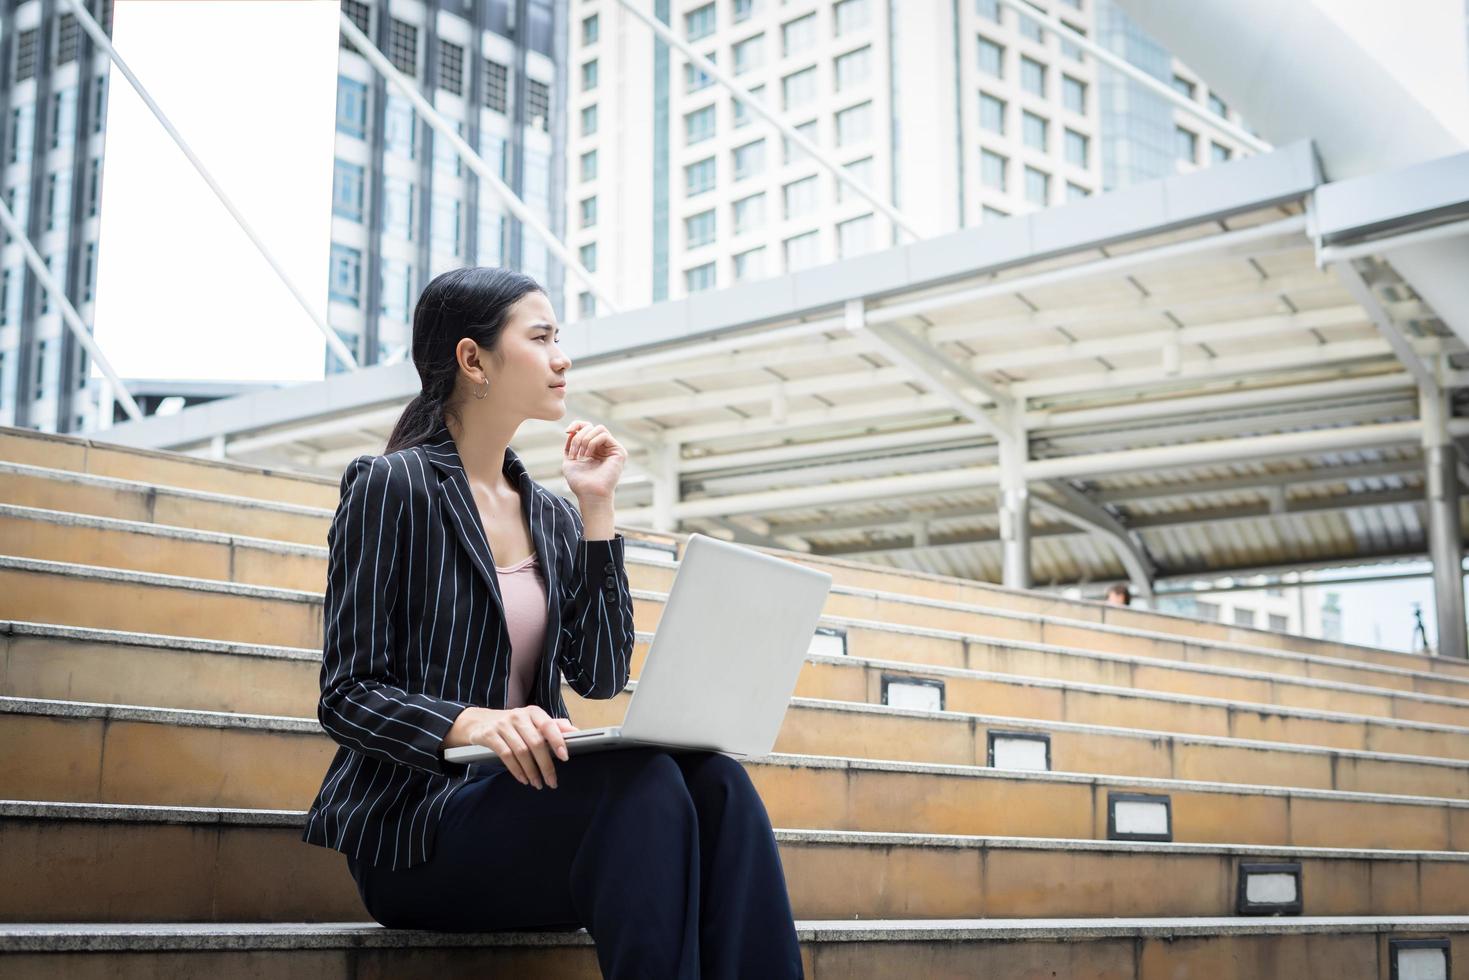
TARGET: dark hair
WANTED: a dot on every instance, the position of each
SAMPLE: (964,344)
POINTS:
(471,302)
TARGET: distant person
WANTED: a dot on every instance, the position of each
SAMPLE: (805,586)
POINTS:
(1118,595)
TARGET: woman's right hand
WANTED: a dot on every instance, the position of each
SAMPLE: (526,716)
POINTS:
(524,739)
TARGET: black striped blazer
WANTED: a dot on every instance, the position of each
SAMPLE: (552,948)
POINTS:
(414,631)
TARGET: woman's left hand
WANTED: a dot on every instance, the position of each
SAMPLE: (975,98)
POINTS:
(591,461)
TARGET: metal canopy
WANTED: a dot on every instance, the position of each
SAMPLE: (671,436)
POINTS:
(1199,395)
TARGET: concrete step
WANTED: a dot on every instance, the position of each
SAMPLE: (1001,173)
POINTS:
(250,865)
(1342,948)
(77,454)
(143,602)
(1222,672)
(1018,615)
(838,710)
(86,753)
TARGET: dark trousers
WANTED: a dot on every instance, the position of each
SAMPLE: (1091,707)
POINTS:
(667,858)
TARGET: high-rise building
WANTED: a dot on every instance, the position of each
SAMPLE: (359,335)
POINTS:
(405,208)
(957,114)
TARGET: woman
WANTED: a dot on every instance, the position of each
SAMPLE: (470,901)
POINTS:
(459,591)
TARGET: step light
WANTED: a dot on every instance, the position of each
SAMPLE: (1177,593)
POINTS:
(1269,889)
(828,642)
(1139,816)
(1419,959)
(923,693)
(1020,750)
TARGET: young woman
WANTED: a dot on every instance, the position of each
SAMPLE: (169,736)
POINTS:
(459,592)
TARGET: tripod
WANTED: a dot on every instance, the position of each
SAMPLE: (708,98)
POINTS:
(1419,632)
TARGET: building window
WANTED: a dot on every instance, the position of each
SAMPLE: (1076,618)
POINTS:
(395,287)
(587,256)
(1069,48)
(854,236)
(852,15)
(1073,94)
(1183,87)
(491,237)
(800,198)
(589,120)
(400,127)
(749,54)
(497,87)
(590,29)
(798,35)
(587,305)
(991,58)
(63,116)
(351,107)
(699,177)
(1219,153)
(58,199)
(589,166)
(743,10)
(446,157)
(99,103)
(27,45)
(445,228)
(589,75)
(1033,130)
(1217,106)
(1244,617)
(1186,144)
(347,188)
(991,113)
(39,388)
(749,213)
(1075,192)
(699,229)
(89,273)
(451,67)
(749,160)
(861,171)
(94,186)
(988,9)
(802,251)
(1037,186)
(798,88)
(854,125)
(699,125)
(992,169)
(1077,149)
(854,68)
(1030,29)
(696,78)
(68,40)
(699,23)
(742,112)
(989,214)
(699,278)
(790,152)
(1033,76)
(360,14)
(398,199)
(749,264)
(538,104)
(589,212)
(1279,623)
(403,46)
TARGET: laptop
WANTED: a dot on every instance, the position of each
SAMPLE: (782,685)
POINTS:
(724,660)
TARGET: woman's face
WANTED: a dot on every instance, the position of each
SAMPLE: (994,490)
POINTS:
(529,376)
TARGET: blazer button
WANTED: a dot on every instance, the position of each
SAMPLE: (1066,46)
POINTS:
(610,582)
(609,567)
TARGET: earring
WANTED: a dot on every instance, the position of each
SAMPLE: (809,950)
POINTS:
(481,394)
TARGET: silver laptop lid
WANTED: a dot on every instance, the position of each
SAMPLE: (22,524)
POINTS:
(725,657)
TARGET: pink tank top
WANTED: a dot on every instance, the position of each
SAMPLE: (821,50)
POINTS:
(523,590)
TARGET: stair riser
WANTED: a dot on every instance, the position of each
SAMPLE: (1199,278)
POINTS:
(92,869)
(87,760)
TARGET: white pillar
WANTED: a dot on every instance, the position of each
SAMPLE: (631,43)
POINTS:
(1440,459)
(1015,510)
(665,486)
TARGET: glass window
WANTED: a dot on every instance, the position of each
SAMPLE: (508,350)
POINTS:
(695,78)
(799,88)
(749,54)
(360,14)
(992,168)
(802,251)
(1217,106)
(1073,94)
(699,278)
(590,29)
(1033,130)
(991,113)
(63,117)
(58,200)
(854,67)
(446,158)
(699,229)
(862,171)
(587,305)
(351,109)
(1077,149)
(1186,144)
(1219,153)
(1032,76)
(587,256)
(538,104)
(589,212)
(400,126)
(991,58)
(395,281)
(800,198)
(589,166)
(790,152)
(854,125)
(1037,186)
(992,214)
(451,67)
(1030,29)
(1075,192)
(1069,48)
(347,190)
(749,213)
(798,35)
(589,120)
(1244,617)
(68,40)
(742,114)
(1183,86)
(749,264)
(852,15)
(444,230)
(398,199)
(749,160)
(699,23)
(854,236)
(1279,623)
(403,46)
(491,237)
(27,50)
(497,86)
(699,177)
(988,9)
(589,75)
(699,125)
(743,9)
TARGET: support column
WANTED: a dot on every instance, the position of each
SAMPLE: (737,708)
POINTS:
(664,465)
(1015,510)
(1441,462)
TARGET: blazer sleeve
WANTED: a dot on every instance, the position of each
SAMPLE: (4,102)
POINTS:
(597,632)
(363,705)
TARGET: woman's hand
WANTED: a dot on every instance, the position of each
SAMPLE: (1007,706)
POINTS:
(524,739)
(591,461)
